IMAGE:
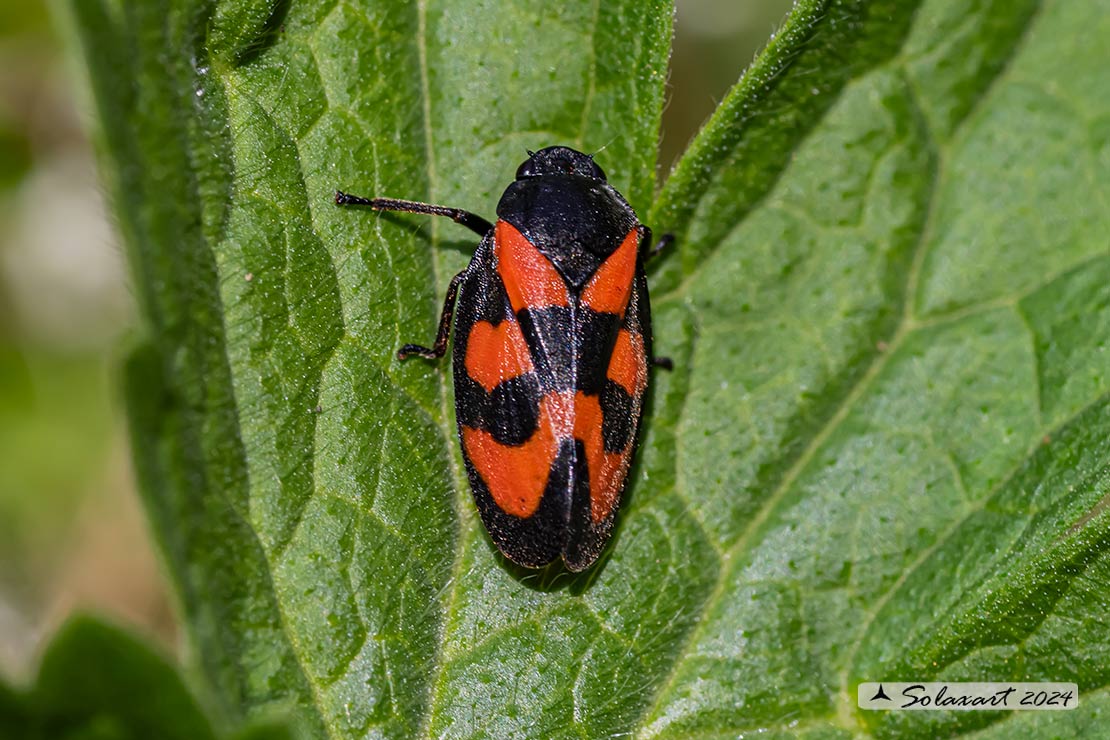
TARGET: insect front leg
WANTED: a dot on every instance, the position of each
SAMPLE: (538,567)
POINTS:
(440,347)
(663,363)
(645,236)
(472,221)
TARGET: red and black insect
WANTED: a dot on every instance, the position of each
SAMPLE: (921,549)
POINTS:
(551,355)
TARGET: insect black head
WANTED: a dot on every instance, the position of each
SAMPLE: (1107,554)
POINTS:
(560,160)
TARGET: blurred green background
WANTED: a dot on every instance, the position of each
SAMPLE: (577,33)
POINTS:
(71,532)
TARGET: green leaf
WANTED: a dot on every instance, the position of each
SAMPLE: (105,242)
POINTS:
(882,455)
(894,437)
(96,681)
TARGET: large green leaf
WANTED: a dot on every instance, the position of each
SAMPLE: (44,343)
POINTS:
(97,682)
(882,454)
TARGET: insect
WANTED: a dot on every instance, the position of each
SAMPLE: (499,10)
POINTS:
(551,355)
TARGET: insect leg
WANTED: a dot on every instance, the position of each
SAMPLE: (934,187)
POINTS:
(472,221)
(440,347)
(664,241)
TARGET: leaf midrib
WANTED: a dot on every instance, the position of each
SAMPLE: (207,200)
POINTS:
(439,672)
(463,506)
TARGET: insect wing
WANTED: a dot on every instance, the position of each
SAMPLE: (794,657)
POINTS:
(517,455)
(607,418)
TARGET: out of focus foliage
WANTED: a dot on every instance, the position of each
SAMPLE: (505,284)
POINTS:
(68,529)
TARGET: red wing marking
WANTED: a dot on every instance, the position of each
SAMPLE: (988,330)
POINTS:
(530,279)
(606,469)
(496,353)
(610,287)
(516,475)
(606,486)
(628,363)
